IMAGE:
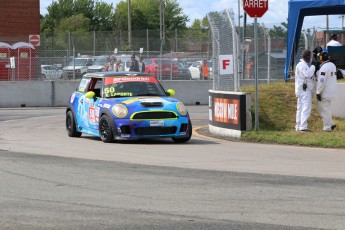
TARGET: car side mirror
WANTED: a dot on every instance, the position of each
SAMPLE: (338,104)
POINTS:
(90,95)
(171,92)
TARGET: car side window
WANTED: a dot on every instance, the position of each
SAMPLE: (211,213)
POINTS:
(83,84)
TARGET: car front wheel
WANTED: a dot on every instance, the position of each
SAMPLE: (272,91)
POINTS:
(71,126)
(105,129)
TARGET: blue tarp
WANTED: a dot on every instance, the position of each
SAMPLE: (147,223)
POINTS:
(298,9)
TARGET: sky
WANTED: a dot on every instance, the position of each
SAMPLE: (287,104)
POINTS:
(276,14)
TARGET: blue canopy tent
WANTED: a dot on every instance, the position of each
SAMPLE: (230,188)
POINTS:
(298,9)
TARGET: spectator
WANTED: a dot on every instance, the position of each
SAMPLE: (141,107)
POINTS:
(118,66)
(134,64)
(250,73)
(204,72)
(107,66)
(333,41)
(141,65)
(112,62)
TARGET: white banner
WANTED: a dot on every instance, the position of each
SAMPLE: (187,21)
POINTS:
(226,64)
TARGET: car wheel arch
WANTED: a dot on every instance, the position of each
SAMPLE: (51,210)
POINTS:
(109,114)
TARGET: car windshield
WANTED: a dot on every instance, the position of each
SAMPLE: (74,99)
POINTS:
(180,65)
(132,87)
(99,61)
(78,62)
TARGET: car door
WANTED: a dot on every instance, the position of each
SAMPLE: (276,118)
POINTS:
(88,109)
(194,70)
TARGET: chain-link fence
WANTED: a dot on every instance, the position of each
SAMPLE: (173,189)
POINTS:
(58,53)
(224,42)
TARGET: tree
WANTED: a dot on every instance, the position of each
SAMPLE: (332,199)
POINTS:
(100,15)
(145,15)
(78,23)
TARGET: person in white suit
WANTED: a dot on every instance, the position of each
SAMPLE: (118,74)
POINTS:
(304,87)
(333,41)
(326,90)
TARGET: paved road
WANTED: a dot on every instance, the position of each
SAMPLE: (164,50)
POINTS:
(48,180)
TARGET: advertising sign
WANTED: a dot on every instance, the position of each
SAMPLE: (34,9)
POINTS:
(227,111)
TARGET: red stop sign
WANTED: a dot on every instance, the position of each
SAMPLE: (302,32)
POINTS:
(255,8)
(34,40)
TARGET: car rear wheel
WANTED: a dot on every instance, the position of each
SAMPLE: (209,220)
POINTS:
(71,127)
(184,139)
(105,129)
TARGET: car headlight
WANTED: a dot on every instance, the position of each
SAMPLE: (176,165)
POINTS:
(120,110)
(181,108)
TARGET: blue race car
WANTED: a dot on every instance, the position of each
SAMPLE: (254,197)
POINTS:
(126,106)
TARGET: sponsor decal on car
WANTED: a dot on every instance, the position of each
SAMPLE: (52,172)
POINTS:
(156,123)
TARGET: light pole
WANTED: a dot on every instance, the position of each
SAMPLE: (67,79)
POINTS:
(129,25)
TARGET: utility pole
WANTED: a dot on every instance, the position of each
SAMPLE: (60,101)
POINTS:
(129,25)
(162,34)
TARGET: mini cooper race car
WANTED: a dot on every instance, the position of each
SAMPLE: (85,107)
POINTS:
(126,106)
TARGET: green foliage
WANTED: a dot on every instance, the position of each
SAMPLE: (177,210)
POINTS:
(99,15)
(277,114)
(196,25)
(78,23)
(146,15)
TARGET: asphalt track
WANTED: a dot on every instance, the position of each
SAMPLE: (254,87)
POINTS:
(51,181)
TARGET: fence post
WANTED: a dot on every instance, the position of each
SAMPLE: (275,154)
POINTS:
(147,42)
(94,43)
(176,41)
(69,44)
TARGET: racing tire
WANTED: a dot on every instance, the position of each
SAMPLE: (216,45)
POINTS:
(187,138)
(106,130)
(71,127)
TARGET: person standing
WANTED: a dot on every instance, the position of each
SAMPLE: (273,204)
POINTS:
(326,90)
(333,41)
(204,72)
(118,66)
(141,65)
(304,86)
(249,69)
(134,64)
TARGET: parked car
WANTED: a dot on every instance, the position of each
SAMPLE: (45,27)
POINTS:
(126,106)
(169,68)
(78,66)
(195,69)
(50,72)
(183,71)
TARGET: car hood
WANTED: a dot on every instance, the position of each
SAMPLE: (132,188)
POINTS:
(150,103)
(75,67)
(95,67)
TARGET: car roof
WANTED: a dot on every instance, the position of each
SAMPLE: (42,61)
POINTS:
(115,74)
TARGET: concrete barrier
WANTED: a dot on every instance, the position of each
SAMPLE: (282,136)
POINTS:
(56,93)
